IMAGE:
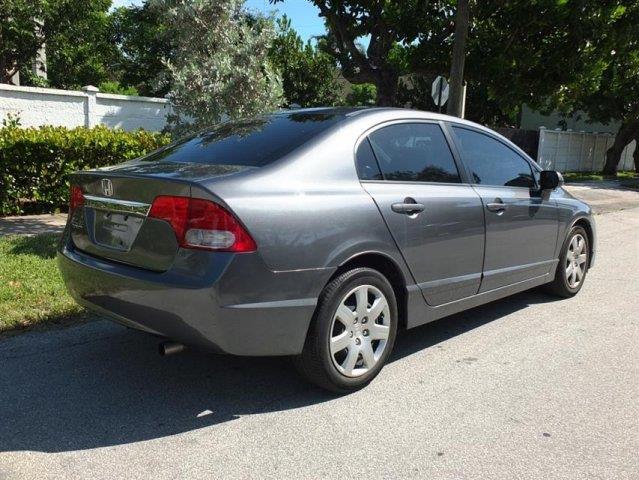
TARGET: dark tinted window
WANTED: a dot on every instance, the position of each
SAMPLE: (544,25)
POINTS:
(414,152)
(367,167)
(254,142)
(491,162)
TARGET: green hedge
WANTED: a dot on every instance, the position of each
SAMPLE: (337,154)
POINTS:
(35,162)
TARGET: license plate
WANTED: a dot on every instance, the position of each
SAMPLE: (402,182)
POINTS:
(116,230)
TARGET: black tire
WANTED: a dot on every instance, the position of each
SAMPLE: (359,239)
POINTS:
(316,362)
(560,286)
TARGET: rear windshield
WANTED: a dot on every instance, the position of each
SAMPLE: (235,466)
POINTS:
(253,142)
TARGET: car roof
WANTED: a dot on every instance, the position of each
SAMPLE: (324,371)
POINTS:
(378,115)
(361,112)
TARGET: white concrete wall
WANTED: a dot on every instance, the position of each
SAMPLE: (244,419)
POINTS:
(48,106)
(569,151)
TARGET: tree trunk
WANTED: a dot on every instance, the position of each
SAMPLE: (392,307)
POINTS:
(455,97)
(635,155)
(387,89)
(625,135)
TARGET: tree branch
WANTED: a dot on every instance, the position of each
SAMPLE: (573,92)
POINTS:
(343,36)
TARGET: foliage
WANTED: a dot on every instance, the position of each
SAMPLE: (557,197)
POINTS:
(78,44)
(35,162)
(30,79)
(362,95)
(31,288)
(397,30)
(143,40)
(11,121)
(115,87)
(606,85)
(574,177)
(20,36)
(76,34)
(220,66)
(309,75)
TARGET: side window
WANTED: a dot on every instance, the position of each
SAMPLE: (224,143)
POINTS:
(367,167)
(491,162)
(414,152)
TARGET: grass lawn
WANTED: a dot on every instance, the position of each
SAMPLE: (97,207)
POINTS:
(626,179)
(31,288)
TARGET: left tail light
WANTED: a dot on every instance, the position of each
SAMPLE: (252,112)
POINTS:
(76,198)
(202,224)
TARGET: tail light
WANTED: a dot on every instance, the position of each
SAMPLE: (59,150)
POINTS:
(202,224)
(76,198)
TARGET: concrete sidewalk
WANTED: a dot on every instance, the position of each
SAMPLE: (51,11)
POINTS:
(32,224)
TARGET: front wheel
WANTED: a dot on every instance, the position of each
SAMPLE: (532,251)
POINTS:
(352,332)
(573,264)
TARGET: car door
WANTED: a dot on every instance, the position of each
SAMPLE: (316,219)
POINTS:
(521,225)
(435,218)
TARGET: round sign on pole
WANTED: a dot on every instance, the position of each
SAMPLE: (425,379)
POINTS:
(440,91)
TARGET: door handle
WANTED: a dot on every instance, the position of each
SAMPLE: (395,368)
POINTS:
(408,207)
(496,206)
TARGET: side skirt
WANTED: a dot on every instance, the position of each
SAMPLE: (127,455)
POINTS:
(421,314)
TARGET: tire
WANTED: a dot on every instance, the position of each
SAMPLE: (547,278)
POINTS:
(327,363)
(563,284)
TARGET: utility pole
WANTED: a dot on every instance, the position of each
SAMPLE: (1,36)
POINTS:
(462,20)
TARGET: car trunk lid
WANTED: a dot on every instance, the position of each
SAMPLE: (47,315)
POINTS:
(113,222)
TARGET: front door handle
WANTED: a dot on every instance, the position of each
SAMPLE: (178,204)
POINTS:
(496,206)
(408,207)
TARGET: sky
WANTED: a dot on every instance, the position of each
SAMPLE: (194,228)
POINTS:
(303,14)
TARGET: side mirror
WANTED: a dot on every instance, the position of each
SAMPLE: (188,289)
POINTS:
(550,179)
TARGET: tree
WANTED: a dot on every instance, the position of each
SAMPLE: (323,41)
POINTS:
(455,99)
(565,56)
(608,90)
(143,41)
(362,95)
(220,67)
(20,35)
(309,76)
(80,50)
(75,32)
(396,30)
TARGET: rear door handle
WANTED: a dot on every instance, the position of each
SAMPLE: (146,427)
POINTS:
(408,207)
(496,206)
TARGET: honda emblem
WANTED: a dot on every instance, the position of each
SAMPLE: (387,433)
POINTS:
(107,187)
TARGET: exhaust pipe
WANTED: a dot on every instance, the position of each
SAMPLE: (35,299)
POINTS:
(170,348)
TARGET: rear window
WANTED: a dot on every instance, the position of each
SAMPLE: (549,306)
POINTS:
(253,142)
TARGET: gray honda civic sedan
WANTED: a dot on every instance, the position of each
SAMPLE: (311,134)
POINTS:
(318,234)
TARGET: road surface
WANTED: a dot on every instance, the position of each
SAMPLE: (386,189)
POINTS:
(529,387)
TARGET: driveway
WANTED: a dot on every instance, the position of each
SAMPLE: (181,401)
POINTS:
(529,387)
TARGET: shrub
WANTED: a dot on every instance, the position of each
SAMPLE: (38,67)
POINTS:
(35,162)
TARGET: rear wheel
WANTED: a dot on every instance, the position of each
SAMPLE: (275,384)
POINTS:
(352,333)
(573,264)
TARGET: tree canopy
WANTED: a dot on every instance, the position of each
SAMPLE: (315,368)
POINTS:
(310,77)
(395,31)
(220,66)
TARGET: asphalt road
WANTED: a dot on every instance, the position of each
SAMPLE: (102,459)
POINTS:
(528,387)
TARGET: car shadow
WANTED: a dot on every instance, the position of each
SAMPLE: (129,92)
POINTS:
(100,385)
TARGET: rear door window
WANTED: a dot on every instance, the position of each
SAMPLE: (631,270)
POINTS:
(367,167)
(416,152)
(491,162)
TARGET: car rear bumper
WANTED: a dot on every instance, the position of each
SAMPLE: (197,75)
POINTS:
(227,303)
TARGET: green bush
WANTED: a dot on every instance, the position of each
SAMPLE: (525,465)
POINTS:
(35,162)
